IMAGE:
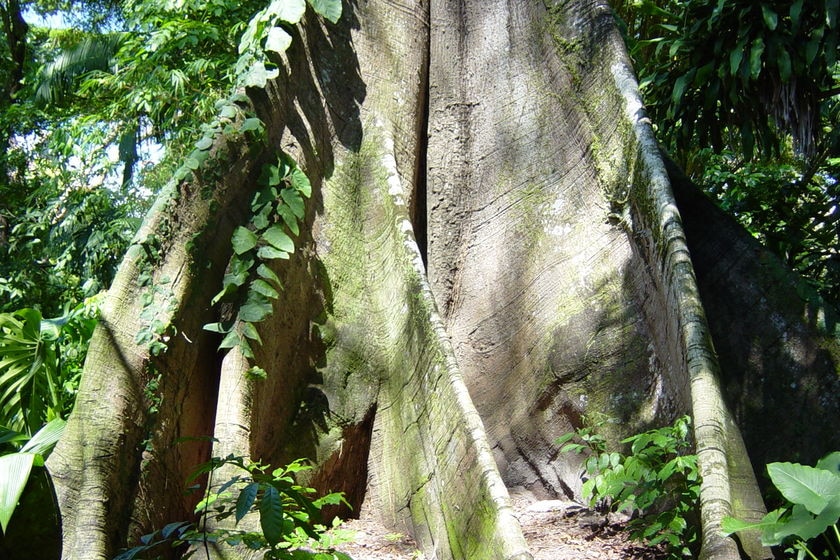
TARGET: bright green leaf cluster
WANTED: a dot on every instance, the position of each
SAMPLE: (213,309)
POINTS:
(15,467)
(814,497)
(277,209)
(289,515)
(266,33)
(657,482)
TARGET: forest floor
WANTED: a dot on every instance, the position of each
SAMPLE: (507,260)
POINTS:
(553,529)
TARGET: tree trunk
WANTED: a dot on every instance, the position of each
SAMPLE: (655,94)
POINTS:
(509,140)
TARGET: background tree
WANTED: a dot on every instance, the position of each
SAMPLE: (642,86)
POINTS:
(729,81)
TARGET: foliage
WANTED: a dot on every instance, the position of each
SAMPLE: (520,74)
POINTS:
(277,209)
(813,496)
(792,212)
(63,247)
(288,515)
(744,68)
(725,81)
(16,466)
(657,482)
(40,364)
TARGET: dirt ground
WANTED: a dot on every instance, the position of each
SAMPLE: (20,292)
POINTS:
(554,530)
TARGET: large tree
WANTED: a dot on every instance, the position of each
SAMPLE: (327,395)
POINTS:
(491,250)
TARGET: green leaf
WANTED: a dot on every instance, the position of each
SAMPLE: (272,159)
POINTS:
(813,488)
(196,158)
(293,199)
(289,218)
(269,175)
(271,515)
(771,18)
(255,309)
(783,61)
(243,240)
(276,237)
(14,474)
(290,11)
(756,51)
(250,331)
(264,288)
(251,124)
(220,328)
(256,372)
(300,182)
(46,438)
(230,340)
(803,525)
(264,272)
(205,143)
(329,9)
(731,525)
(228,111)
(795,13)
(736,56)
(246,500)
(830,462)
(277,40)
(268,252)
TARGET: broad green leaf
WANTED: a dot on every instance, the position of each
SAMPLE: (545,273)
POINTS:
(255,309)
(795,13)
(243,240)
(251,124)
(276,237)
(196,158)
(783,60)
(220,328)
(771,18)
(736,56)
(46,438)
(258,75)
(756,51)
(832,7)
(731,525)
(269,252)
(277,40)
(800,484)
(230,340)
(205,143)
(329,9)
(293,199)
(256,372)
(289,11)
(830,462)
(264,272)
(679,88)
(269,176)
(250,331)
(300,182)
(14,473)
(228,111)
(289,218)
(246,500)
(271,515)
(262,287)
(802,524)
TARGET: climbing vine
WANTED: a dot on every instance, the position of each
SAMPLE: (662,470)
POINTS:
(277,209)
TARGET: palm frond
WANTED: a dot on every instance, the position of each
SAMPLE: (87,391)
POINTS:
(91,53)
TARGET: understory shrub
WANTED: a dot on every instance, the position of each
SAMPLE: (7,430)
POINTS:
(289,516)
(656,483)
